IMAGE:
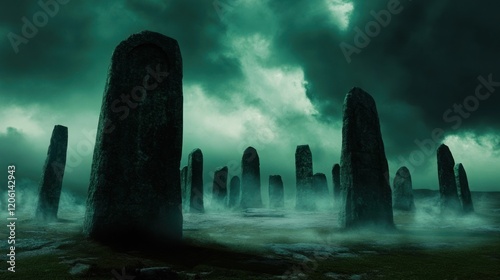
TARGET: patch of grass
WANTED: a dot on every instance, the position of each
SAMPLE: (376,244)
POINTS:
(393,263)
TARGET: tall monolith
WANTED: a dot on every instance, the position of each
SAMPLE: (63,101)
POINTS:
(336,182)
(134,193)
(50,188)
(185,201)
(250,179)
(219,186)
(449,201)
(463,189)
(194,185)
(403,190)
(276,192)
(304,178)
(364,172)
(321,195)
(234,192)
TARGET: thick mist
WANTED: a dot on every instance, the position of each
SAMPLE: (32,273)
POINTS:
(287,231)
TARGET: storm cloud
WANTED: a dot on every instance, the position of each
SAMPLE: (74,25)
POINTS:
(269,74)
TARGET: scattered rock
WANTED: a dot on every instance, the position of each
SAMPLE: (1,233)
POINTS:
(156,273)
(79,269)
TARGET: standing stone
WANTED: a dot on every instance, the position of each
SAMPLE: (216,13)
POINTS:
(320,186)
(135,182)
(220,186)
(276,192)
(250,179)
(234,192)
(320,189)
(449,201)
(195,181)
(364,173)
(336,182)
(185,201)
(52,176)
(304,178)
(463,189)
(403,190)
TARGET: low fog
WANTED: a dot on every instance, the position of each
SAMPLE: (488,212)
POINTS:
(294,233)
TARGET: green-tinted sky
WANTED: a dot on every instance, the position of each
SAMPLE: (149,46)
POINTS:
(270,74)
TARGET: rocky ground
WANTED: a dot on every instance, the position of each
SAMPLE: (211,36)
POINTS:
(282,245)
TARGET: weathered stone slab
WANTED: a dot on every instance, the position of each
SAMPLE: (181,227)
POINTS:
(463,189)
(364,172)
(449,201)
(195,181)
(185,200)
(403,190)
(276,192)
(250,179)
(234,192)
(322,198)
(304,178)
(49,192)
(336,182)
(219,186)
(135,181)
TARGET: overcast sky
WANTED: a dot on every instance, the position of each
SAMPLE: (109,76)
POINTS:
(269,74)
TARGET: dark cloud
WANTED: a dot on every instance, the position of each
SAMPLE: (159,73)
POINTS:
(16,149)
(427,59)
(55,58)
(208,60)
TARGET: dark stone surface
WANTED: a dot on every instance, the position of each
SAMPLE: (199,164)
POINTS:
(185,200)
(250,179)
(195,181)
(449,201)
(336,182)
(154,273)
(135,182)
(364,173)
(320,185)
(276,192)
(219,186)
(403,190)
(234,192)
(304,178)
(321,193)
(463,189)
(52,177)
